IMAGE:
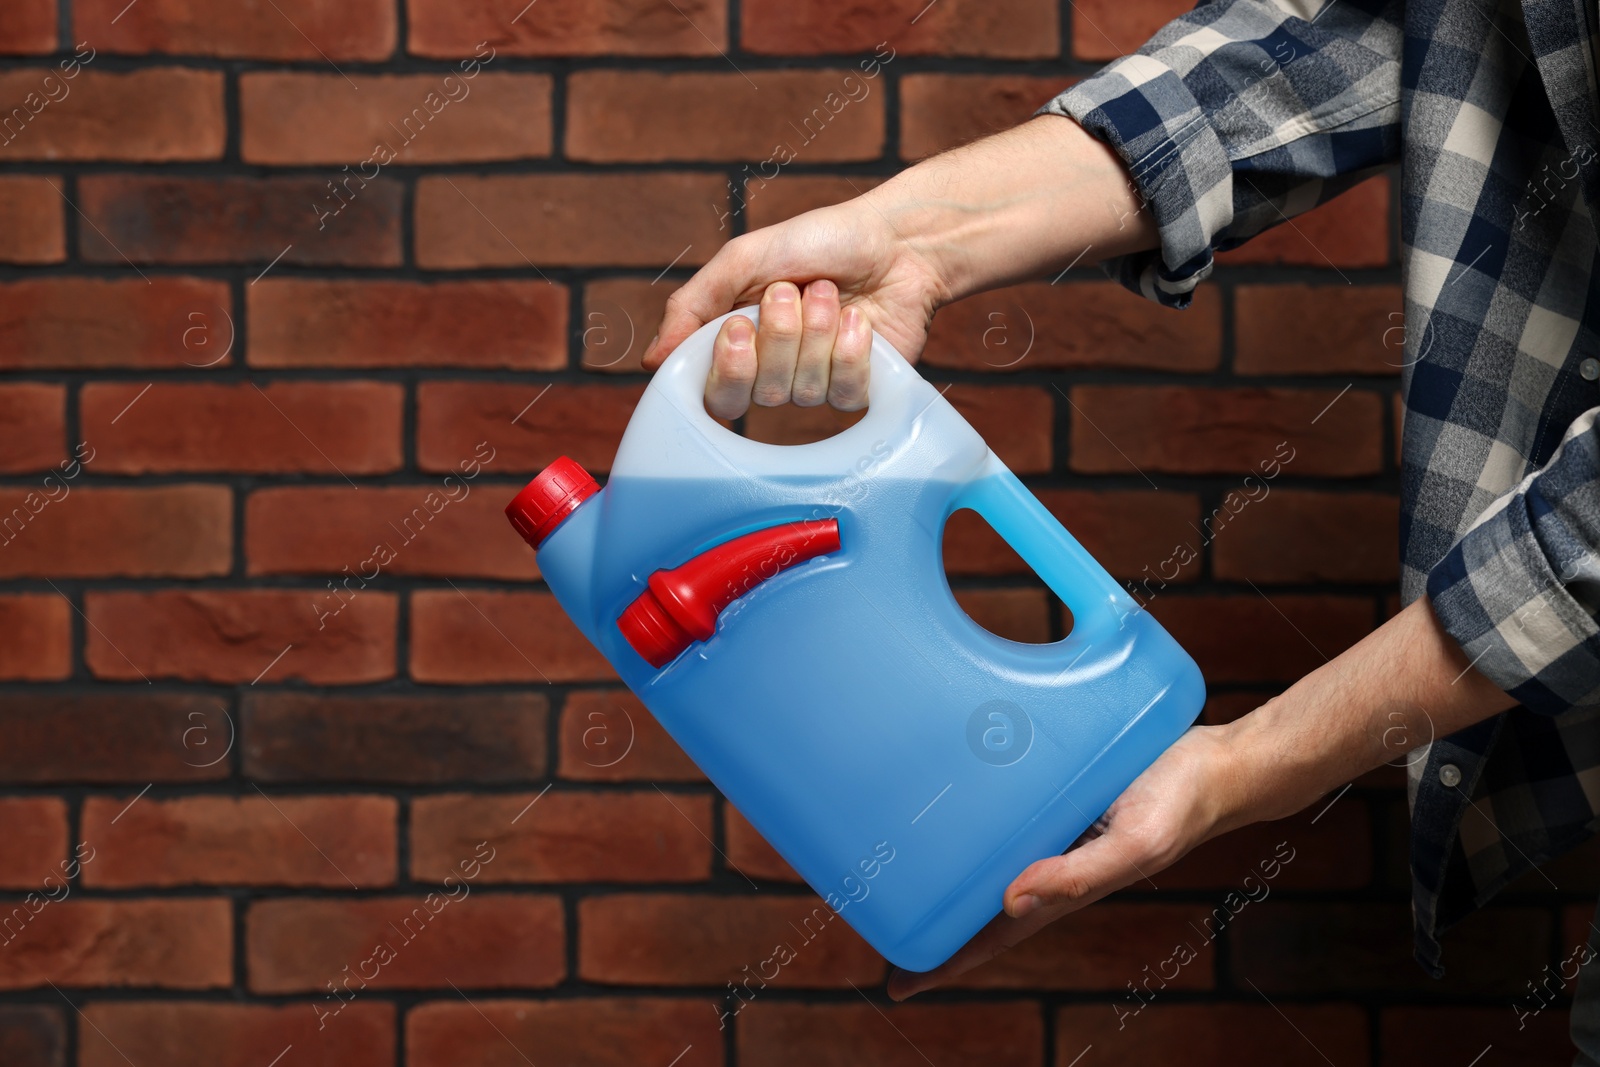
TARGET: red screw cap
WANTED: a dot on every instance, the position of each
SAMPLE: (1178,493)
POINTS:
(553,495)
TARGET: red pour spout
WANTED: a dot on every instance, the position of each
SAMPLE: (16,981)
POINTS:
(680,606)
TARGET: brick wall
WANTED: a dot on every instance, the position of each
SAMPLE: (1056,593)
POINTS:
(242,348)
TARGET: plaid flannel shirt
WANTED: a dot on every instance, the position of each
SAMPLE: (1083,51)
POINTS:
(1244,112)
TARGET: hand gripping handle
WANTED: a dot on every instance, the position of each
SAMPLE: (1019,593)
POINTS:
(895,391)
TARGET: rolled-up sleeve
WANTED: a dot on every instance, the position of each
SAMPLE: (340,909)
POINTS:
(1520,589)
(1237,116)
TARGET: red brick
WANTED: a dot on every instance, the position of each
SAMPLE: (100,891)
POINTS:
(1214,1035)
(33,426)
(971,546)
(620,316)
(769,202)
(572,220)
(1334,852)
(285,29)
(34,847)
(1017,614)
(1105,948)
(250,840)
(178,531)
(451,28)
(394,737)
(1303,948)
(1318,329)
(1126,429)
(664,939)
(940,111)
(1017,422)
(156,115)
(790,425)
(191,1034)
(1303,537)
(185,943)
(1106,29)
(1126,530)
(290,118)
(331,428)
(28,26)
(646,836)
(1008,29)
(1352,230)
(749,853)
(237,635)
(777,1034)
(476,636)
(608,736)
(331,323)
(528,426)
(31,217)
(111,735)
(418,529)
(38,647)
(1447,1035)
(609,1032)
(809,116)
(32,1035)
(1251,639)
(68,323)
(1078,324)
(477,940)
(158,219)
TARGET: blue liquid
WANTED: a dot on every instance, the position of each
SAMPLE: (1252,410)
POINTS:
(851,710)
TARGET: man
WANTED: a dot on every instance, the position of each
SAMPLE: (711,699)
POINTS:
(1230,119)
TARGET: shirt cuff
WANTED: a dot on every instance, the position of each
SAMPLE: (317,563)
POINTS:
(1180,169)
(1497,594)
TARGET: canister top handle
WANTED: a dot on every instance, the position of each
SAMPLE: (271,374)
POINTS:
(896,394)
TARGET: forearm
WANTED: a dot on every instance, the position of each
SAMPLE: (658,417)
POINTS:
(1014,206)
(1398,688)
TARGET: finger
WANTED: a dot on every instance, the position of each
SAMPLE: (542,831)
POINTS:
(714,289)
(852,360)
(1075,878)
(733,368)
(1057,886)
(819,316)
(777,344)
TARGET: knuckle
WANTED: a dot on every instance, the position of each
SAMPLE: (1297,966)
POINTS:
(677,302)
(1068,888)
(780,323)
(1161,848)
(808,395)
(851,359)
(770,395)
(733,368)
(846,399)
(820,314)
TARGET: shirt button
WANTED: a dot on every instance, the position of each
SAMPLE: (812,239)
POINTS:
(1590,369)
(1449,776)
